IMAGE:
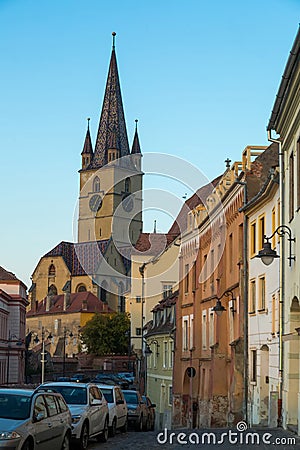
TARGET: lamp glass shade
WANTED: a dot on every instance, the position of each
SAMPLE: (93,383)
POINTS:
(267,254)
(219,308)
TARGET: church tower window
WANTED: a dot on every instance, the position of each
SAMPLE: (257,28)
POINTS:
(96,184)
(52,271)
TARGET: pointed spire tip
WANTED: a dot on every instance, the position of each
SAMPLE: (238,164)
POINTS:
(113,35)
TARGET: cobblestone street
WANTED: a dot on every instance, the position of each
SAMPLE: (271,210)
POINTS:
(249,439)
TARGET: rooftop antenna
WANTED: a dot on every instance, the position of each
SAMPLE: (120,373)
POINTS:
(154,228)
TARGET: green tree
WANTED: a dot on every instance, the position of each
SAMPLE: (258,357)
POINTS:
(107,334)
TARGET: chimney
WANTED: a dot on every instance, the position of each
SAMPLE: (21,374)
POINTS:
(66,300)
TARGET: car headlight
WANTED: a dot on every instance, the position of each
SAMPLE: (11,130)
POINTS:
(75,419)
(9,435)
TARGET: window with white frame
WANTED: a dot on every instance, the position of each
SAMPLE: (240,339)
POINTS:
(262,293)
(167,290)
(204,334)
(165,358)
(171,354)
(191,330)
(185,333)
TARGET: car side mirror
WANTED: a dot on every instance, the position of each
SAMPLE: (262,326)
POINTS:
(96,402)
(38,417)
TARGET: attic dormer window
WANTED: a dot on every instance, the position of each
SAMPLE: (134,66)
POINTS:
(96,184)
(52,271)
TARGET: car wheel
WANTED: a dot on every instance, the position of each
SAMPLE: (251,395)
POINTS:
(124,427)
(66,443)
(27,445)
(113,428)
(84,437)
(104,435)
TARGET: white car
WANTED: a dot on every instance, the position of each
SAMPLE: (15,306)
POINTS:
(117,406)
(89,410)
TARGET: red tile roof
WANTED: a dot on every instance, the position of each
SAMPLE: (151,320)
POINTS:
(152,244)
(5,275)
(79,302)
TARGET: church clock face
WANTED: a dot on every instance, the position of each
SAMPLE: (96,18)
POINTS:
(95,202)
(127,203)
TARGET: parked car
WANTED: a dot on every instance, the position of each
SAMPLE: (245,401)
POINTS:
(89,410)
(34,420)
(80,378)
(137,410)
(112,379)
(128,376)
(151,412)
(117,408)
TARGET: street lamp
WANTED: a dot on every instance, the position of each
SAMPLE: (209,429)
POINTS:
(11,338)
(267,254)
(43,353)
(219,308)
(64,349)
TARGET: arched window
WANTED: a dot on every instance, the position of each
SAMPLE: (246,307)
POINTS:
(96,184)
(52,290)
(103,292)
(127,185)
(51,271)
(81,288)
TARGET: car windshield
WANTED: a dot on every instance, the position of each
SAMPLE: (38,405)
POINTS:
(72,395)
(131,397)
(108,394)
(14,406)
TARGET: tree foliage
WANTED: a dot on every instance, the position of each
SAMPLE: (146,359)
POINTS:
(107,334)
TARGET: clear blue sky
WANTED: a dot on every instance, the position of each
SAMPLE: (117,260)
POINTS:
(200,76)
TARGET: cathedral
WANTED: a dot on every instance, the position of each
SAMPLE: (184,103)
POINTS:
(109,219)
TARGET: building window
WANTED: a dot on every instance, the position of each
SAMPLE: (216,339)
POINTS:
(262,293)
(185,333)
(51,271)
(191,331)
(171,354)
(230,254)
(261,232)
(291,187)
(170,395)
(252,296)
(273,314)
(204,334)
(298,174)
(273,227)
(96,184)
(138,332)
(186,279)
(241,241)
(211,327)
(165,360)
(194,277)
(127,185)
(138,299)
(81,288)
(253,366)
(253,239)
(167,290)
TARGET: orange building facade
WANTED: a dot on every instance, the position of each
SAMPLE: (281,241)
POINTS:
(209,365)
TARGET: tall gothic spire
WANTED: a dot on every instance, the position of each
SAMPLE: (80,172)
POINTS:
(112,126)
(87,146)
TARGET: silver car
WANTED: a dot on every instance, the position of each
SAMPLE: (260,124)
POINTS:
(117,408)
(88,408)
(33,420)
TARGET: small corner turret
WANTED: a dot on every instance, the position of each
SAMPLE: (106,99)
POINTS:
(136,153)
(87,152)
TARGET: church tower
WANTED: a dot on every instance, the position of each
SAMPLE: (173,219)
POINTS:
(110,198)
